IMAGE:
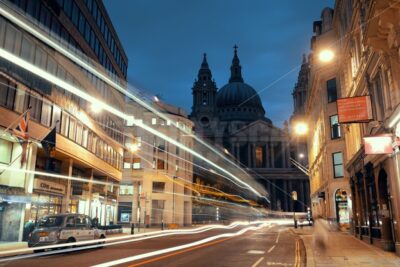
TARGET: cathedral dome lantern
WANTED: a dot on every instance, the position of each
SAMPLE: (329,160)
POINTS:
(238,100)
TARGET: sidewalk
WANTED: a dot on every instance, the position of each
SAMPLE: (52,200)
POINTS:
(343,249)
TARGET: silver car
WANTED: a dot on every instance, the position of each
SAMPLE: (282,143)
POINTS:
(64,228)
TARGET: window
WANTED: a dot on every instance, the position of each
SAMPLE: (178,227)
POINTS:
(46,114)
(64,124)
(56,118)
(331,89)
(153,121)
(158,187)
(335,127)
(337,164)
(7,93)
(127,165)
(79,129)
(36,103)
(125,190)
(85,137)
(160,164)
(5,151)
(72,131)
(27,49)
(259,157)
(136,163)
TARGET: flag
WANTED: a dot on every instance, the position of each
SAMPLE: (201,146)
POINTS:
(49,143)
(21,132)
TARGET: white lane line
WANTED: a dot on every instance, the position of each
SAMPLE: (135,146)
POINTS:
(255,252)
(272,248)
(171,249)
(257,262)
(277,238)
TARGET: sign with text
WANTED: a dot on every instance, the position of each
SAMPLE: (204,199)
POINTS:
(50,187)
(354,109)
(379,144)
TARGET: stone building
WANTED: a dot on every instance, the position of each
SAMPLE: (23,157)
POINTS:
(157,175)
(50,36)
(329,181)
(369,65)
(233,120)
(363,37)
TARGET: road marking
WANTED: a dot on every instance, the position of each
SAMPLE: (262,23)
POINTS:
(257,262)
(272,248)
(277,238)
(255,252)
(297,256)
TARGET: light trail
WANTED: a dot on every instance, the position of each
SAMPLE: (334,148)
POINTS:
(172,249)
(76,91)
(118,240)
(115,85)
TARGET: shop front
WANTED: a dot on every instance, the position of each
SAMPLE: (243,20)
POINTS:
(47,198)
(342,205)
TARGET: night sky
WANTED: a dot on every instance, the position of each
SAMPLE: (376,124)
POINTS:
(164,41)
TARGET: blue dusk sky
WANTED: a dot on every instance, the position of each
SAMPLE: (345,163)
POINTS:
(165,40)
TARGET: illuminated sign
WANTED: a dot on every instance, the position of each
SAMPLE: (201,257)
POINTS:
(379,144)
(354,109)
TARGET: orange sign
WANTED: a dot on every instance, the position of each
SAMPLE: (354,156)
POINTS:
(354,109)
(379,144)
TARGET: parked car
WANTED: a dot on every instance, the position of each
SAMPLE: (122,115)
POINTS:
(64,228)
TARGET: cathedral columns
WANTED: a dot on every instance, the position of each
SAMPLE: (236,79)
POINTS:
(272,155)
(283,151)
(267,156)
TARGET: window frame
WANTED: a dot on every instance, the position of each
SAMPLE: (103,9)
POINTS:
(335,165)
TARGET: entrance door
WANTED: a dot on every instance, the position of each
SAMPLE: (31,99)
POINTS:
(342,209)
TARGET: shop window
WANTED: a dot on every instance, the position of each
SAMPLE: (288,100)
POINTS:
(158,187)
(337,164)
(331,90)
(335,127)
(5,151)
(126,190)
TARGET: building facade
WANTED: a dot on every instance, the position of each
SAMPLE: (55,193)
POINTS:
(157,175)
(369,65)
(329,181)
(233,120)
(82,173)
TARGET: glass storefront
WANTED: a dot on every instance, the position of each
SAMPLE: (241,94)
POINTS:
(44,204)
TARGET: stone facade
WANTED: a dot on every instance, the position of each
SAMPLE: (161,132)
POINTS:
(232,120)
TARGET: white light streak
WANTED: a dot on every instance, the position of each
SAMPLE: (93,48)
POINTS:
(172,249)
(106,79)
(75,90)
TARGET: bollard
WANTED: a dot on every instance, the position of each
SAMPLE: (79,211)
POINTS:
(132,229)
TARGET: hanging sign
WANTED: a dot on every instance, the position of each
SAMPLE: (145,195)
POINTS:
(379,144)
(354,109)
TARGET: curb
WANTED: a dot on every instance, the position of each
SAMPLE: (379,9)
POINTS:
(310,261)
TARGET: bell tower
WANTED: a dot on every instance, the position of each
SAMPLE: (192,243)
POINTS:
(204,97)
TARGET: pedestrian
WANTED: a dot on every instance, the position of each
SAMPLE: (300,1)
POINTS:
(95,222)
(320,236)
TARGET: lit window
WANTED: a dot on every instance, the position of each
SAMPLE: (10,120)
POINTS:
(153,121)
(337,164)
(127,165)
(126,190)
(136,163)
(259,157)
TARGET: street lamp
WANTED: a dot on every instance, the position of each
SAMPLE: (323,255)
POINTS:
(96,108)
(300,128)
(326,55)
(301,155)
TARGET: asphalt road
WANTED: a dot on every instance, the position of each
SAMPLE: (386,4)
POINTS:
(269,246)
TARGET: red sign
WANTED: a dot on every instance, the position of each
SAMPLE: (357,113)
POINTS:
(354,109)
(379,144)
